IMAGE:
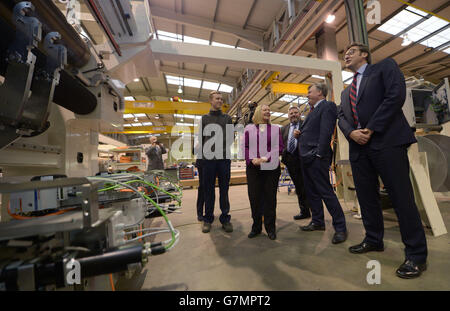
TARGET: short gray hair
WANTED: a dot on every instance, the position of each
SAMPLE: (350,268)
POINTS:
(294,107)
(322,87)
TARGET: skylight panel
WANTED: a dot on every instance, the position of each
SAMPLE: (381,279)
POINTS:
(129,98)
(288,98)
(127,125)
(225,88)
(168,36)
(140,115)
(414,10)
(346,75)
(174,80)
(399,22)
(183,124)
(147,123)
(128,116)
(425,28)
(276,114)
(222,45)
(192,83)
(136,124)
(210,85)
(195,40)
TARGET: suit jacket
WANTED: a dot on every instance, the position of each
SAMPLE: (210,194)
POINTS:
(285,136)
(379,105)
(316,132)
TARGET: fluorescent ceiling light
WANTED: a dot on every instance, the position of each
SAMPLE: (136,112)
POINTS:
(136,80)
(318,77)
(147,123)
(129,98)
(128,116)
(140,115)
(127,125)
(136,124)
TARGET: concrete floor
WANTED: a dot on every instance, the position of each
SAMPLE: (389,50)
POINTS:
(295,261)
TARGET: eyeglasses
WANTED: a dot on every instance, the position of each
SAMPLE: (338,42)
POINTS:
(351,52)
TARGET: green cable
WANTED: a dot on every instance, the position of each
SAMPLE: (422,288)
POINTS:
(151,201)
(173,196)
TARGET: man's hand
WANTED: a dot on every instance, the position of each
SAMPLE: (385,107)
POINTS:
(256,161)
(263,159)
(296,133)
(367,131)
(360,136)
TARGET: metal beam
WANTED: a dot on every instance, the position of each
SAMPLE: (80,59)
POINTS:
(201,54)
(163,93)
(154,130)
(168,107)
(289,88)
(269,79)
(198,75)
(253,37)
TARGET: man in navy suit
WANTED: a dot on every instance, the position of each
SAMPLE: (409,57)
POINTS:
(315,152)
(371,118)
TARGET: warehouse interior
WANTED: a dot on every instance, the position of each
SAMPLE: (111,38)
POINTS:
(84,84)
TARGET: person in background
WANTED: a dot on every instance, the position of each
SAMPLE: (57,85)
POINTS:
(372,120)
(316,154)
(263,146)
(291,159)
(154,154)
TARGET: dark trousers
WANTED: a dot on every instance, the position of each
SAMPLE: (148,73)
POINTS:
(392,165)
(200,191)
(318,188)
(221,169)
(295,172)
(262,193)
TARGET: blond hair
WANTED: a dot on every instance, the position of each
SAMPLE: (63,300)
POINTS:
(213,93)
(257,116)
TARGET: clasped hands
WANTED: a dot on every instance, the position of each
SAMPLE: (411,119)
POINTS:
(361,136)
(258,161)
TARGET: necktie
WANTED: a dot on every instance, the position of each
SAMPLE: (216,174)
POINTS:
(291,145)
(353,98)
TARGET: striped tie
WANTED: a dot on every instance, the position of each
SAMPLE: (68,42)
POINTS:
(291,145)
(353,98)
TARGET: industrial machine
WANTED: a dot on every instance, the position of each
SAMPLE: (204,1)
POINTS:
(64,225)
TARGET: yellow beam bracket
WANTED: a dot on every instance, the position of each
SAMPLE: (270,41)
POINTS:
(168,107)
(289,88)
(154,130)
(269,79)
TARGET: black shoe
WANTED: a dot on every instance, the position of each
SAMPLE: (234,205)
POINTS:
(252,234)
(200,218)
(228,227)
(313,227)
(410,270)
(272,235)
(339,237)
(364,247)
(302,216)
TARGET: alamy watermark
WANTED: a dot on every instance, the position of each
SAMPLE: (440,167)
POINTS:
(212,143)
(374,275)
